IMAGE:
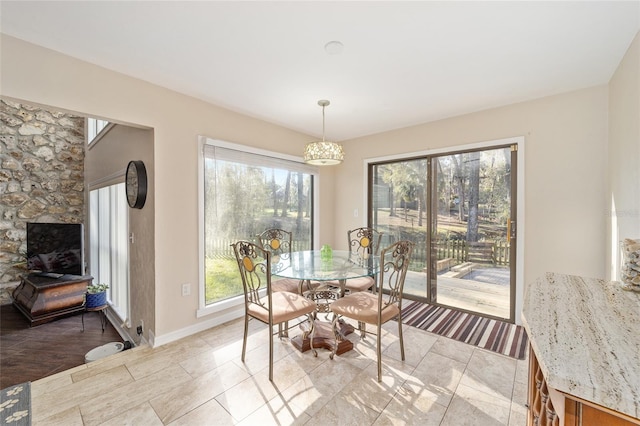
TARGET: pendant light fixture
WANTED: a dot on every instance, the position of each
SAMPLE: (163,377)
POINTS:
(323,153)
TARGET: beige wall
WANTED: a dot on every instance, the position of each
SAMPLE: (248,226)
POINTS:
(43,76)
(565,164)
(565,171)
(623,195)
(106,161)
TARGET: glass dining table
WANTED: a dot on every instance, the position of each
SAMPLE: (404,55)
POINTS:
(318,274)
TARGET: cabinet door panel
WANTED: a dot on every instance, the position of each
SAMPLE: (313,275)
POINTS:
(594,417)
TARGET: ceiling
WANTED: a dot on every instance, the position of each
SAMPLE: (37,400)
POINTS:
(402,63)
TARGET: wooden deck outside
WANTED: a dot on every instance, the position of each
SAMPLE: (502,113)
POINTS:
(481,297)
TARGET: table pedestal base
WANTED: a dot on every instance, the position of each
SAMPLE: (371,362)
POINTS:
(325,339)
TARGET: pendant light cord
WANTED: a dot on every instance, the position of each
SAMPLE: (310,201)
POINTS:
(323,123)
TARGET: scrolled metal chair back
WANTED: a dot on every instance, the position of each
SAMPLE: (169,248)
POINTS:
(364,241)
(254,264)
(394,263)
(277,242)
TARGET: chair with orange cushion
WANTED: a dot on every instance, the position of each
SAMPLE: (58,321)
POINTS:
(386,304)
(263,304)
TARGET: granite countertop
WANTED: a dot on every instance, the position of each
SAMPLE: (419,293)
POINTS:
(585,333)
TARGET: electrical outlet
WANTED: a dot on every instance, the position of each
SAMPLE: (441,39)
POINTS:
(186,289)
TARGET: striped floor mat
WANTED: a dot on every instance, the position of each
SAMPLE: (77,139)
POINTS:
(497,336)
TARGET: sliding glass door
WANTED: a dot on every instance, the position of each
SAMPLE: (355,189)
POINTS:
(398,208)
(458,209)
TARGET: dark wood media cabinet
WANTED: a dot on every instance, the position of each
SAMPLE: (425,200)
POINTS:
(42,299)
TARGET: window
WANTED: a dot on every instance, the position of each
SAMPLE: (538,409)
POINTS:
(243,194)
(109,254)
(94,127)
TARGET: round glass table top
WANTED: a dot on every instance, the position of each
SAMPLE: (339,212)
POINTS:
(310,265)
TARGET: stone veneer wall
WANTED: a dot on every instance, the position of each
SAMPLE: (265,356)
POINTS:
(41,179)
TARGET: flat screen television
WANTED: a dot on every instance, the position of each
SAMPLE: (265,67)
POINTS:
(55,248)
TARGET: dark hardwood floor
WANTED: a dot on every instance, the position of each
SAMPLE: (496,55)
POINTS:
(31,353)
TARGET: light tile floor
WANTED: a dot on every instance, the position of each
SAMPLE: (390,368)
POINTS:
(200,380)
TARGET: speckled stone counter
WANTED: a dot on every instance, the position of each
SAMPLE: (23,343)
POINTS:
(586,336)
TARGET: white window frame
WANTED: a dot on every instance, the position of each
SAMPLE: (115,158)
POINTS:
(111,266)
(233,304)
(96,129)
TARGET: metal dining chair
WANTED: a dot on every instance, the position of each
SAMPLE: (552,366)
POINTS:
(383,306)
(363,242)
(263,304)
(278,242)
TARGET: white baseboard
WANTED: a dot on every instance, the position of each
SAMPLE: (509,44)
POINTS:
(196,328)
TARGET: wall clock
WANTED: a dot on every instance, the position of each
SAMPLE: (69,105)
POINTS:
(136,184)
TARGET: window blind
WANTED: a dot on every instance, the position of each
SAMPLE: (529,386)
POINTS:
(258,160)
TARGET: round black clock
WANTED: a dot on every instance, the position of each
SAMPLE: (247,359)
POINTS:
(136,184)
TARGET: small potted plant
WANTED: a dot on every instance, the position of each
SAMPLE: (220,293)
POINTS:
(96,295)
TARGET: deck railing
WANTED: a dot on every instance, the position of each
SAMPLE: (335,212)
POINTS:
(222,247)
(488,252)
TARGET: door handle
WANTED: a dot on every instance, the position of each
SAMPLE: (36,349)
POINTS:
(511,229)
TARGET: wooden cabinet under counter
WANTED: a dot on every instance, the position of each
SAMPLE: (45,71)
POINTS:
(548,407)
(584,352)
(543,410)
